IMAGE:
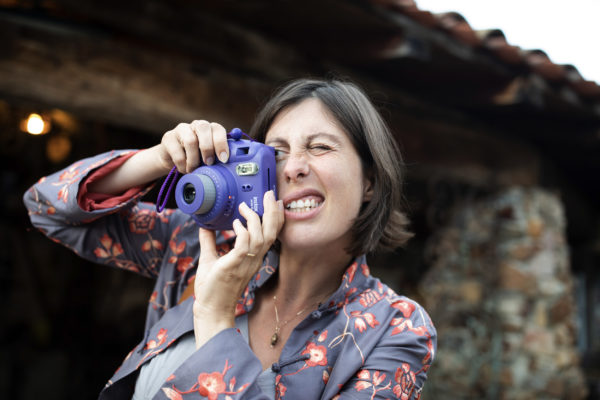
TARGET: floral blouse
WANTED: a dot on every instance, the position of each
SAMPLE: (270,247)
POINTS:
(364,342)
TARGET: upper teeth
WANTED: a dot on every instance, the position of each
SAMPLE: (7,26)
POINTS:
(302,204)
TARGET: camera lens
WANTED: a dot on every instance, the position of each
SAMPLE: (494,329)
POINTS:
(189,193)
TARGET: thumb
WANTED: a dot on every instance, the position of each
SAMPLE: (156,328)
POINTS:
(208,245)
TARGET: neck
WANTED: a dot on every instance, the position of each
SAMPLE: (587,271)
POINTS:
(309,277)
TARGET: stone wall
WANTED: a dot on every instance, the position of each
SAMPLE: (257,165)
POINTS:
(500,293)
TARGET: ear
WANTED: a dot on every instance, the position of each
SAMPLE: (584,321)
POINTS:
(367,190)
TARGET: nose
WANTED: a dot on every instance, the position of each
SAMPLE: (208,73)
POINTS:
(296,167)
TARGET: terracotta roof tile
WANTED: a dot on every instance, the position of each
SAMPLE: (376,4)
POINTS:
(586,89)
(458,26)
(494,40)
(540,63)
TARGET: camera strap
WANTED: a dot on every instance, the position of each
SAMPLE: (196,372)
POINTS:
(161,206)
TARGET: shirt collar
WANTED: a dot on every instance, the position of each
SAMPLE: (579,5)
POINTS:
(354,281)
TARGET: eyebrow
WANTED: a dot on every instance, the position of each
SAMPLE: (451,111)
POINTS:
(309,138)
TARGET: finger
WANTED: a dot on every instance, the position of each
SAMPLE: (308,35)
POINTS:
(281,215)
(174,147)
(189,141)
(219,137)
(205,141)
(241,246)
(254,228)
(208,245)
(271,219)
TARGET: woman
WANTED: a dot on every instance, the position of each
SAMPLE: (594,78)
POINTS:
(282,308)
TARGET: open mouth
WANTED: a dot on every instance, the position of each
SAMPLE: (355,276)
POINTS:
(304,204)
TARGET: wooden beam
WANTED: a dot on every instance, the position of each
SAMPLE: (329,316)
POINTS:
(128,83)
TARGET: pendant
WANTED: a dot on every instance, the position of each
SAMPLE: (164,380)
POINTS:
(274,339)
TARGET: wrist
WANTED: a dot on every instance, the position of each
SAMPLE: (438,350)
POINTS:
(221,316)
(208,323)
(156,160)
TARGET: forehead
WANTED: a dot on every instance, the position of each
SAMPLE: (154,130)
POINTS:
(307,118)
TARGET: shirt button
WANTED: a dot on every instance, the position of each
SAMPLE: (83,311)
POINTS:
(316,314)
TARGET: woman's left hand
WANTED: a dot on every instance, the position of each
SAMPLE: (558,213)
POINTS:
(220,281)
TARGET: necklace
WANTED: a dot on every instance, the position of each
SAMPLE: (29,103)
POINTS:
(275,336)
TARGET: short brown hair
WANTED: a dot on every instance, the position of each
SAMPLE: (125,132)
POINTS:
(380,225)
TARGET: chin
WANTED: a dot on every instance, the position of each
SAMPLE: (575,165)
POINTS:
(311,238)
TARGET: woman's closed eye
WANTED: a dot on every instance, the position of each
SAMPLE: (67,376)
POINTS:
(319,148)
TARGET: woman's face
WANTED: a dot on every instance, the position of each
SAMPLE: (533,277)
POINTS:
(319,177)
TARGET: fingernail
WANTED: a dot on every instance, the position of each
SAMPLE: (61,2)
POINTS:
(243,204)
(270,195)
(280,204)
(223,156)
(210,160)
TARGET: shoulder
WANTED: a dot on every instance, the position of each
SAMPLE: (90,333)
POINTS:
(399,313)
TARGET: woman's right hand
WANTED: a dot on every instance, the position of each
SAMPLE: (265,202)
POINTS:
(187,145)
(183,147)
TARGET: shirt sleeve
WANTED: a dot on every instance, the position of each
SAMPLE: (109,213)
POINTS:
(397,365)
(224,366)
(90,201)
(119,231)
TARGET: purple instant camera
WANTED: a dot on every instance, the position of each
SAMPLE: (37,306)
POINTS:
(211,194)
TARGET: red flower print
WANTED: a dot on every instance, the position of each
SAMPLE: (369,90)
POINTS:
(406,382)
(362,385)
(184,263)
(322,336)
(366,382)
(405,307)
(165,214)
(63,194)
(150,244)
(406,324)
(69,173)
(368,298)
(177,248)
(142,221)
(153,299)
(360,325)
(378,378)
(371,320)
(172,394)
(161,337)
(365,269)
(429,354)
(361,320)
(317,355)
(351,271)
(228,234)
(211,385)
(325,377)
(364,375)
(108,249)
(280,388)
(223,249)
(239,309)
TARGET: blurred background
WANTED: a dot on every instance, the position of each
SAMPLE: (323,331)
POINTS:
(501,146)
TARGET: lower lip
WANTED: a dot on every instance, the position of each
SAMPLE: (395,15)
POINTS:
(302,215)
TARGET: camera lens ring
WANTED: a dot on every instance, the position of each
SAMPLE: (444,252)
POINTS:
(189,193)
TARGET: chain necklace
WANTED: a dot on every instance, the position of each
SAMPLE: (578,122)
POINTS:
(275,336)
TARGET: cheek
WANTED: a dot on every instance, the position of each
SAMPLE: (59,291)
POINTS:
(346,188)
